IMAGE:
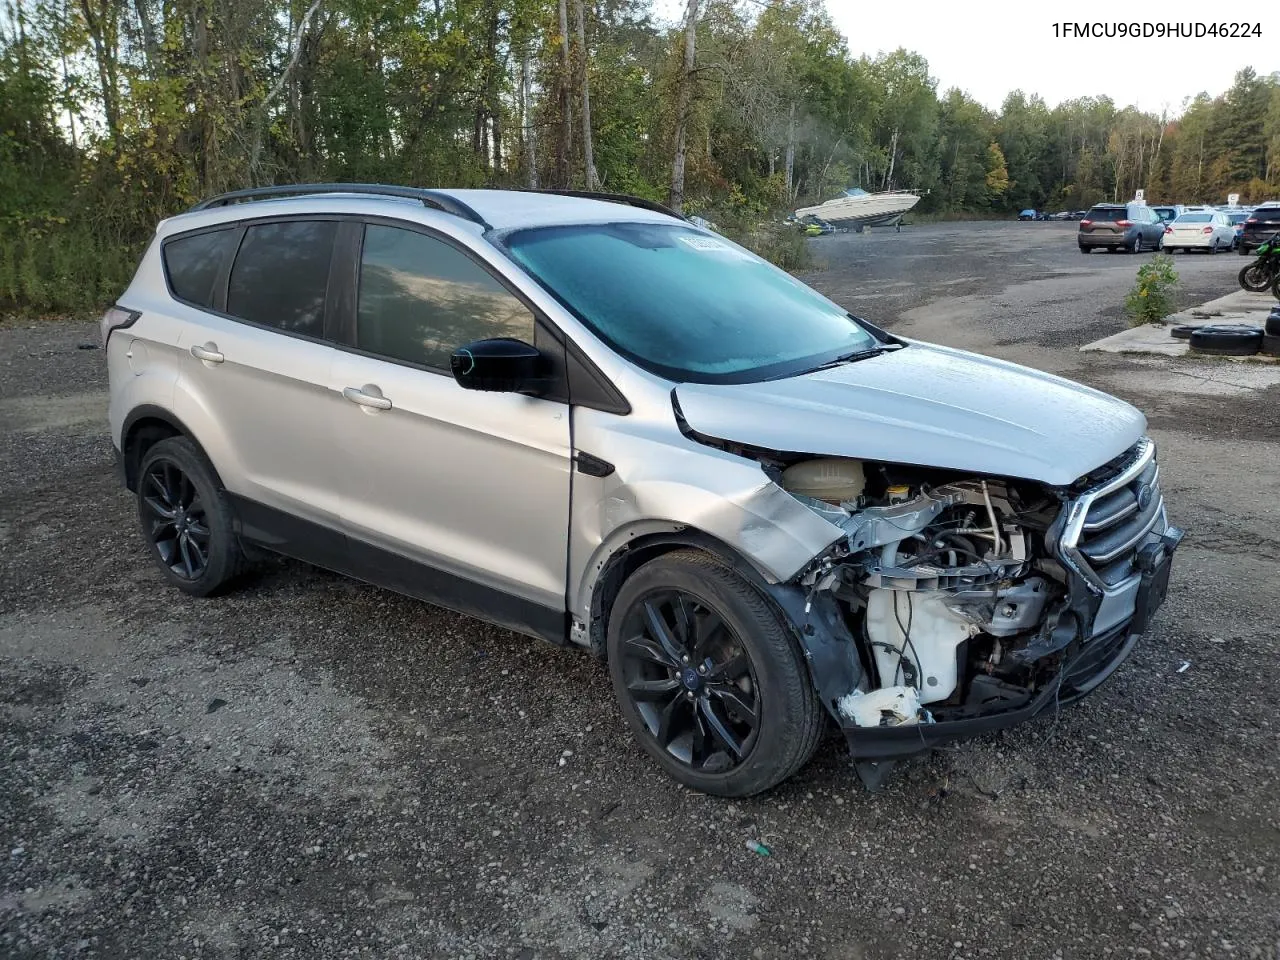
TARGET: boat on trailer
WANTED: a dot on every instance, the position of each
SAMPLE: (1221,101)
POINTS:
(856,208)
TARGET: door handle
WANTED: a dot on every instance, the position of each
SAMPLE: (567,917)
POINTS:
(208,353)
(362,396)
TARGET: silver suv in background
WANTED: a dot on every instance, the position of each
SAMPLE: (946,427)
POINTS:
(586,419)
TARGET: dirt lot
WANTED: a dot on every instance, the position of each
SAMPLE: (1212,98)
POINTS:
(311,767)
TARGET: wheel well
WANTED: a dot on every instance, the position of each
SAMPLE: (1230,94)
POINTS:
(634,555)
(143,433)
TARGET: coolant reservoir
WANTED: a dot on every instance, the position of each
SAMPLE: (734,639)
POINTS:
(833,479)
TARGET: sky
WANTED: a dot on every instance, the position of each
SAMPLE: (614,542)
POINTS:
(990,48)
(994,46)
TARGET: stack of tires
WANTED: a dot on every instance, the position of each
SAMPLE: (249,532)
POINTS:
(1233,339)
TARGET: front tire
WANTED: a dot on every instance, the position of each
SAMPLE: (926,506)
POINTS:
(186,520)
(708,677)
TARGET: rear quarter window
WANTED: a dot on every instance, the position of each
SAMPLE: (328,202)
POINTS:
(192,263)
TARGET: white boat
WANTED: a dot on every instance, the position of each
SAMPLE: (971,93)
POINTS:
(857,208)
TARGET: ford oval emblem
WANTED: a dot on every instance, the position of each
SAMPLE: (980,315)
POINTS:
(1144,497)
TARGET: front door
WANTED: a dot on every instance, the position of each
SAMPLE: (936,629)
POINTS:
(458,496)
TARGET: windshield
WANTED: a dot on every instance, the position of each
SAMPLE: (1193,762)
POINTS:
(1195,218)
(685,305)
(1109,213)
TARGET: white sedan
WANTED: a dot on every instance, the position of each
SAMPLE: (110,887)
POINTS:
(1200,230)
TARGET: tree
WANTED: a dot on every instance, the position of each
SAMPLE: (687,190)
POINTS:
(684,95)
(589,162)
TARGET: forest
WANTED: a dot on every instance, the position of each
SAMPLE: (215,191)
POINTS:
(117,113)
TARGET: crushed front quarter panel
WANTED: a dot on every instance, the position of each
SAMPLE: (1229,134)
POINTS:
(663,481)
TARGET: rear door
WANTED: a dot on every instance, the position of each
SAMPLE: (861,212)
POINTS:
(257,368)
(458,496)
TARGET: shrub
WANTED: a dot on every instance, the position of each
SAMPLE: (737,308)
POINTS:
(50,266)
(1151,299)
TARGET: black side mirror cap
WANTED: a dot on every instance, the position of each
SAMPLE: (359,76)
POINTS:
(499,365)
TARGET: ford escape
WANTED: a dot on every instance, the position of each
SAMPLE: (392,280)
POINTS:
(586,419)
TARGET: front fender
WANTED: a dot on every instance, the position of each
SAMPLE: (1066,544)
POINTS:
(664,483)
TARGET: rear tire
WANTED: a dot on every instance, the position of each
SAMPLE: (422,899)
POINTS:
(695,653)
(1137,243)
(186,519)
(1084,249)
(1255,278)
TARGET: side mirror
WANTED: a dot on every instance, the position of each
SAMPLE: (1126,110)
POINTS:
(500,365)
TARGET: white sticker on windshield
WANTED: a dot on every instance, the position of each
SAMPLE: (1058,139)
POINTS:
(705,243)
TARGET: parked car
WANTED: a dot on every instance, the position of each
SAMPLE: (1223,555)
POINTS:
(1260,225)
(1237,218)
(1028,215)
(1200,231)
(1120,226)
(585,419)
(1168,213)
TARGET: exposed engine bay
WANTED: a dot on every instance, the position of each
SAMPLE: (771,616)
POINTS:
(948,580)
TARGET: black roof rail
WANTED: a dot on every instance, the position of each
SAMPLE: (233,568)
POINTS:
(431,198)
(625,198)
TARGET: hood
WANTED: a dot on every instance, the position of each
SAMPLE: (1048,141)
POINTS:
(929,406)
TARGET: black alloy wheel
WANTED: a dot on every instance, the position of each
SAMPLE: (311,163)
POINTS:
(691,680)
(709,676)
(175,520)
(186,519)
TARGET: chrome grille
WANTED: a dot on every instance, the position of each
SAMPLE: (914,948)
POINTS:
(1107,524)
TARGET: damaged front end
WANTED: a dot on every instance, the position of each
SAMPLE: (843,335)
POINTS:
(970,603)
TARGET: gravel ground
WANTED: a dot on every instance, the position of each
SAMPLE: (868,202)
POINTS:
(310,767)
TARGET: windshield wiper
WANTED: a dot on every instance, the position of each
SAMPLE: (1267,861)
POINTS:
(859,355)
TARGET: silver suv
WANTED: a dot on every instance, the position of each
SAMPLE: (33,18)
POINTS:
(584,418)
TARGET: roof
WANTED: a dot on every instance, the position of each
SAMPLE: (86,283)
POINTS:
(478,209)
(509,209)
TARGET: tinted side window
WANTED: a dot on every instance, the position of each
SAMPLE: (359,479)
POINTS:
(192,264)
(420,299)
(281,275)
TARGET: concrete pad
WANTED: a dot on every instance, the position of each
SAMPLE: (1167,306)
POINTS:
(1238,307)
(1148,338)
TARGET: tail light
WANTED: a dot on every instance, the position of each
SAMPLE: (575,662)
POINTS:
(1168,229)
(1252,220)
(1124,223)
(1207,230)
(1086,223)
(116,318)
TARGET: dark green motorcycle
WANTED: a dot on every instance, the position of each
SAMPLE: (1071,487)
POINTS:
(1265,271)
